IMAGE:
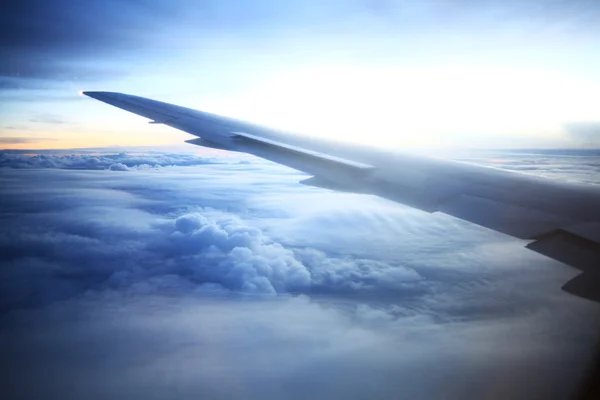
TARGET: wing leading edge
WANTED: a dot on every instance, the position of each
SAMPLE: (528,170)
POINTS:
(560,220)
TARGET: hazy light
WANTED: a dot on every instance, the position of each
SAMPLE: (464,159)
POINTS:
(417,106)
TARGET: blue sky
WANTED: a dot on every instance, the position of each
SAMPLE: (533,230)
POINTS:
(484,74)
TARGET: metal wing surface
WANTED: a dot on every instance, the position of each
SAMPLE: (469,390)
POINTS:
(558,219)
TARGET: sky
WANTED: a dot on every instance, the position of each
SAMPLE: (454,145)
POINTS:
(133,266)
(143,273)
(404,73)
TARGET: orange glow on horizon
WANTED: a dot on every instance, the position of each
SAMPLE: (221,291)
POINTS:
(80,144)
(98,136)
(74,143)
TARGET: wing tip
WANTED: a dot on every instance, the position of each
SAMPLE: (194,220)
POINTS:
(97,94)
(92,94)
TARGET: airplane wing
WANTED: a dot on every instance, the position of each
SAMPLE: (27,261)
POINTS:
(558,219)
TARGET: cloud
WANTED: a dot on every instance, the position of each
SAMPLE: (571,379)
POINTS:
(69,40)
(572,164)
(230,280)
(121,161)
(121,246)
(566,164)
(19,140)
(49,40)
(47,119)
(295,348)
(584,133)
(119,167)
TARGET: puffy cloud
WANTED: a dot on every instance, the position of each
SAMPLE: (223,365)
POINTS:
(119,167)
(238,257)
(219,280)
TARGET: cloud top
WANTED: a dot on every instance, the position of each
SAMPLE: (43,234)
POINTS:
(220,280)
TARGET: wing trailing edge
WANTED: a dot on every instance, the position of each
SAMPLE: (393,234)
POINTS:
(560,220)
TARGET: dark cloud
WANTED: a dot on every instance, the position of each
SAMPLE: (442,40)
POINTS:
(78,39)
(39,39)
(228,279)
(36,70)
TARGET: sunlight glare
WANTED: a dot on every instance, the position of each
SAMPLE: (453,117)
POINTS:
(418,106)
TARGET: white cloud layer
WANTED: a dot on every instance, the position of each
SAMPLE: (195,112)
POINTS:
(229,280)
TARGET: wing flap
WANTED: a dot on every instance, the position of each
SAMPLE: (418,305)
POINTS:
(521,222)
(584,285)
(207,143)
(570,248)
(268,144)
(321,183)
(339,171)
